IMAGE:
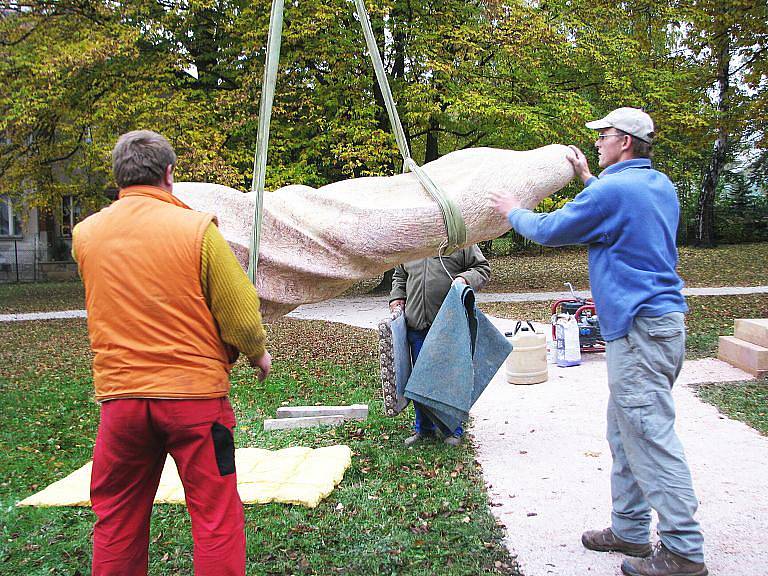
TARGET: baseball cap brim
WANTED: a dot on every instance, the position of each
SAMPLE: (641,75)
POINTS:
(598,124)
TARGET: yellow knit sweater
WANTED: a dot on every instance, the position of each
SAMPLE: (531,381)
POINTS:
(231,297)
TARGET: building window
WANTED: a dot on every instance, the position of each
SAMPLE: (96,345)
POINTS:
(10,223)
(70,215)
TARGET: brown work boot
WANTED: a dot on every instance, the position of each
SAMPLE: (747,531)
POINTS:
(452,440)
(607,541)
(663,562)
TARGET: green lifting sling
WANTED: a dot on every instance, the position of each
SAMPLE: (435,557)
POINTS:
(454,222)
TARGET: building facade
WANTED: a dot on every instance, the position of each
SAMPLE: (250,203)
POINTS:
(35,245)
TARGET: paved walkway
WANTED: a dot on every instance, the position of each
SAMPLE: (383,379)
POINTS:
(546,463)
(366,311)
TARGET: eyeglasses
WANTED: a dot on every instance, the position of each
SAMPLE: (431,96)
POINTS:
(602,136)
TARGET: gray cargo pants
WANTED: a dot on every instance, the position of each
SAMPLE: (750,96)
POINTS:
(649,466)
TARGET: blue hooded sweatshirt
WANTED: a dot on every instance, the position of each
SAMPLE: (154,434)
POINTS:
(628,216)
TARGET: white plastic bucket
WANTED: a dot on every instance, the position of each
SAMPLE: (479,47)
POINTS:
(527,363)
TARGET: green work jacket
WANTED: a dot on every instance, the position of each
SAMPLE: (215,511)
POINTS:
(423,284)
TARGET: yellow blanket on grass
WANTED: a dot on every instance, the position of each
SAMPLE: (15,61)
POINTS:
(292,476)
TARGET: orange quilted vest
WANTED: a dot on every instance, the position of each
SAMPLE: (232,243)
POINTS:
(150,328)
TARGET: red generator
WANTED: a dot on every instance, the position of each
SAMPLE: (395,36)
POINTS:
(585,314)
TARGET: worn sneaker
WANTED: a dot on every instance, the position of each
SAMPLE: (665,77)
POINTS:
(452,440)
(663,562)
(607,541)
(416,438)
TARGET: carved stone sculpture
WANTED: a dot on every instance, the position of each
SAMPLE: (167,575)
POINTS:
(318,242)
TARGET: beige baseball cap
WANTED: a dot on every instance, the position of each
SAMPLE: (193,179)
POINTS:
(633,121)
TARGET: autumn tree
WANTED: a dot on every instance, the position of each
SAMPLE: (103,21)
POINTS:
(74,74)
(729,40)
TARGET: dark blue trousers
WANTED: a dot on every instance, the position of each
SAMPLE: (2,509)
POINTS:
(422,424)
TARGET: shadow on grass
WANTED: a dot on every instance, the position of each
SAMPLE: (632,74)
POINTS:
(743,401)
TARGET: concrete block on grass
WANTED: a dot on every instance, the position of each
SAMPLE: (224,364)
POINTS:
(353,412)
(303,422)
(745,355)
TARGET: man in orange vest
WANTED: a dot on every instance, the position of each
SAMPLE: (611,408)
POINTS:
(169,310)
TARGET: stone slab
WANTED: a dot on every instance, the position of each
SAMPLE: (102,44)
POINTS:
(303,422)
(754,330)
(745,355)
(355,411)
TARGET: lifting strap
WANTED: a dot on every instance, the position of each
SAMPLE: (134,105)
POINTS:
(452,218)
(262,139)
(454,222)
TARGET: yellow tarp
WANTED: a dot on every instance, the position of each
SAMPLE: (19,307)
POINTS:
(292,476)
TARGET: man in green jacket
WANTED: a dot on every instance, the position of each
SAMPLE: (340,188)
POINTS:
(421,286)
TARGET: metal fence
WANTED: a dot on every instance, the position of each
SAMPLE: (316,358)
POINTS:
(24,262)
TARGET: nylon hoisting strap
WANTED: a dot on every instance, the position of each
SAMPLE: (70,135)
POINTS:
(262,139)
(452,218)
(454,222)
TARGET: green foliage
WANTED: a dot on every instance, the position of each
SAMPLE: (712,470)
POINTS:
(742,211)
(726,40)
(76,74)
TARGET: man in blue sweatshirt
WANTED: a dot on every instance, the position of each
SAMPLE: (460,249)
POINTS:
(628,216)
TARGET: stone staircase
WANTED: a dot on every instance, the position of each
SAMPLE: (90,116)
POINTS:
(748,347)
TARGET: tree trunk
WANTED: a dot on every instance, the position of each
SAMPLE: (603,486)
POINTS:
(705,215)
(385,286)
(430,149)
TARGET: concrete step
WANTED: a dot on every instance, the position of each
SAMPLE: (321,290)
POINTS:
(355,411)
(754,330)
(745,355)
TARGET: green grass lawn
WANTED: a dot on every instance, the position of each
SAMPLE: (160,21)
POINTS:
(397,511)
(745,401)
(546,269)
(41,297)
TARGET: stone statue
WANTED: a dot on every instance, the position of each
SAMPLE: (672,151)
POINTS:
(316,243)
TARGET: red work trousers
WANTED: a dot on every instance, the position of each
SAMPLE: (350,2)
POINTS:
(134,437)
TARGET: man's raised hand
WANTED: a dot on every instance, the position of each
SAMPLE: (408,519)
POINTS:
(579,162)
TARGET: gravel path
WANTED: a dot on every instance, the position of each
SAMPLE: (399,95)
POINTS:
(63,314)
(546,462)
